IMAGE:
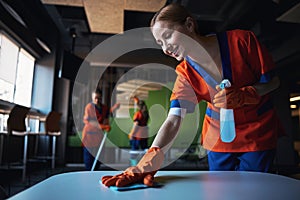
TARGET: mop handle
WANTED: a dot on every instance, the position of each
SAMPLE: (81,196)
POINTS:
(99,151)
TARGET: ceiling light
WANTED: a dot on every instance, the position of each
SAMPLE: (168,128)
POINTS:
(297,98)
(293,106)
(13,13)
(43,45)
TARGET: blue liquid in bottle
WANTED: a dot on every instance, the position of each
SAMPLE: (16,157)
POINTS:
(227,125)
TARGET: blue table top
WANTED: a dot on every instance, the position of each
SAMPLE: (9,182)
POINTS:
(190,185)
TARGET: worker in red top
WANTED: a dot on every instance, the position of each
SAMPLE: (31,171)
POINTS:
(138,135)
(96,121)
(206,60)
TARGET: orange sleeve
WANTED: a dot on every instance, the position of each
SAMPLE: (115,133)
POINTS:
(183,95)
(182,90)
(89,113)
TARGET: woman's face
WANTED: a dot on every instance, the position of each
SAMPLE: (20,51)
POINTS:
(97,99)
(173,39)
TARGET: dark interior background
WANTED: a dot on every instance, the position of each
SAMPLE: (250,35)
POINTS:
(64,29)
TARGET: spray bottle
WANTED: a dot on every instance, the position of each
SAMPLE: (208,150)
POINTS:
(227,125)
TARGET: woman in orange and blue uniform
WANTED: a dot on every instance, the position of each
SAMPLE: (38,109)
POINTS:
(138,136)
(96,120)
(205,61)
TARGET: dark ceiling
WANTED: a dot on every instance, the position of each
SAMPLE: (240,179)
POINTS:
(272,20)
(275,22)
(213,15)
(261,16)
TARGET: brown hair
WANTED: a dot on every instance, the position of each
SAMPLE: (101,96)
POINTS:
(98,91)
(143,107)
(173,12)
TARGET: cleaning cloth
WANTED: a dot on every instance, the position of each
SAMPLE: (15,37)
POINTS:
(134,186)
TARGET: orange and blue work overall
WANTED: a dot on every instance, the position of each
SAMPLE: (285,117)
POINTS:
(139,138)
(92,135)
(244,62)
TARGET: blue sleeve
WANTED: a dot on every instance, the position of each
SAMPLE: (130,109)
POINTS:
(188,105)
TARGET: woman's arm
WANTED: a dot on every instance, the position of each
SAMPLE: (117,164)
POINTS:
(167,133)
(152,160)
(134,129)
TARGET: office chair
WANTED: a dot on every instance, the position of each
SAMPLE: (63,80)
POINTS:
(16,126)
(52,129)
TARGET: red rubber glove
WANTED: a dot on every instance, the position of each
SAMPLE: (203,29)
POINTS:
(104,127)
(233,97)
(142,173)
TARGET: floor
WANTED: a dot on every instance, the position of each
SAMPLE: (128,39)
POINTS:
(12,183)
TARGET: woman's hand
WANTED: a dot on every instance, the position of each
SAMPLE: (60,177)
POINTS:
(233,97)
(142,173)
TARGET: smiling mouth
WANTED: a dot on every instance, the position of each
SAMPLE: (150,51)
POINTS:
(175,53)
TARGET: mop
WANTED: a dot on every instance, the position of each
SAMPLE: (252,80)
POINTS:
(99,151)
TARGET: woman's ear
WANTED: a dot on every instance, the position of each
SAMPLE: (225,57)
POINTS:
(190,24)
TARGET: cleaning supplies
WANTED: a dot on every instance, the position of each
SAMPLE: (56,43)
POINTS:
(227,125)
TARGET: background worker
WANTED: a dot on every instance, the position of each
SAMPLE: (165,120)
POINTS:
(138,136)
(96,121)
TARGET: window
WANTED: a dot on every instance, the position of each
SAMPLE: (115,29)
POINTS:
(16,73)
(8,66)
(24,79)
